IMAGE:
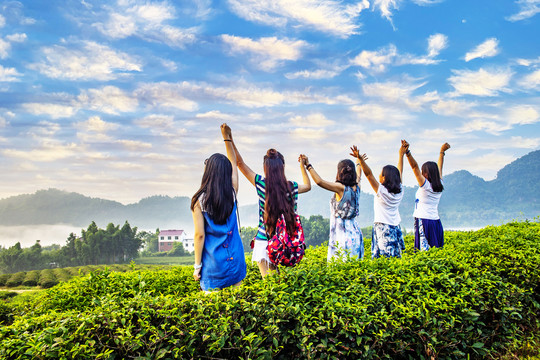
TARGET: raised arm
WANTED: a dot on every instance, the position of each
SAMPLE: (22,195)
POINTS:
(328,185)
(358,172)
(246,170)
(306,186)
(414,165)
(231,154)
(444,147)
(402,150)
(365,168)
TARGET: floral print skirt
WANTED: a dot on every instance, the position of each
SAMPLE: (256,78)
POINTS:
(346,240)
(387,240)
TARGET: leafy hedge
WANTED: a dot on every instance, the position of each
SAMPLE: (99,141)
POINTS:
(478,296)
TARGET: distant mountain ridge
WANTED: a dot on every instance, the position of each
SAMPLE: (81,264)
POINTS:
(467,201)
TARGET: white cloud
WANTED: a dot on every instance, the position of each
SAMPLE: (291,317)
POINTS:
(400,92)
(267,52)
(531,81)
(522,115)
(2,21)
(109,99)
(376,60)
(155,121)
(5,47)
(486,49)
(527,9)
(8,74)
(528,62)
(381,114)
(91,61)
(16,37)
(55,111)
(214,114)
(328,16)
(311,120)
(134,145)
(452,107)
(147,21)
(308,133)
(386,6)
(436,43)
(95,124)
(315,74)
(480,83)
(511,117)
(165,95)
(47,152)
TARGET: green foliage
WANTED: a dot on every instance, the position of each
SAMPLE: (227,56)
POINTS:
(472,299)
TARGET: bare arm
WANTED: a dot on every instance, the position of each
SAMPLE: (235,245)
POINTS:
(198,238)
(402,150)
(306,186)
(331,186)
(246,170)
(365,168)
(358,172)
(231,154)
(414,165)
(444,147)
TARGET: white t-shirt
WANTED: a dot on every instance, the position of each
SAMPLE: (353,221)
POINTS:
(427,202)
(386,206)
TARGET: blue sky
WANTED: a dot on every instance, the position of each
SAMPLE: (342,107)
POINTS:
(123,99)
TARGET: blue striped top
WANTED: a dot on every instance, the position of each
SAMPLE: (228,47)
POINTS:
(260,185)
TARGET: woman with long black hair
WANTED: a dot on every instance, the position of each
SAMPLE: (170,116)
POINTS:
(428,229)
(219,253)
(277,196)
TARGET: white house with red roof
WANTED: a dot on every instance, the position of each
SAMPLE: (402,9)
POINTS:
(167,238)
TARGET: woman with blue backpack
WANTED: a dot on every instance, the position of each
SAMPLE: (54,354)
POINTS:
(219,253)
(278,219)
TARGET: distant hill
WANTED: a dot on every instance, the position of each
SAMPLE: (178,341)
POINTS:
(467,201)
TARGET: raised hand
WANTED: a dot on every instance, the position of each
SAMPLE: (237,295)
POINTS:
(303,159)
(404,147)
(355,152)
(445,147)
(226,131)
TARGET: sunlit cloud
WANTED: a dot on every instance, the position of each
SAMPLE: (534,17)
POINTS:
(9,74)
(381,114)
(90,61)
(488,48)
(436,43)
(55,111)
(312,120)
(47,152)
(482,82)
(109,99)
(376,60)
(96,124)
(214,114)
(18,38)
(531,81)
(135,145)
(164,94)
(527,9)
(146,20)
(328,16)
(266,53)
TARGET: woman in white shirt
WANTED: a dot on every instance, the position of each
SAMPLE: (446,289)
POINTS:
(386,237)
(428,230)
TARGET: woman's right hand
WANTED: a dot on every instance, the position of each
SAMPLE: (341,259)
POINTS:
(226,131)
(197,274)
(404,147)
(445,147)
(355,152)
(303,159)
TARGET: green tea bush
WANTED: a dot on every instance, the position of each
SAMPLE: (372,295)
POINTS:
(474,298)
(47,279)
(61,274)
(31,278)
(16,279)
(4,278)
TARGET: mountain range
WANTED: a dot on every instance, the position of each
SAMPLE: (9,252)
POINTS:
(468,201)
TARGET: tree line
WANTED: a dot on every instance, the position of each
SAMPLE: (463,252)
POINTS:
(112,245)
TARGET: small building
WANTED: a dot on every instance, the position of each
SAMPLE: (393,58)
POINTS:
(167,238)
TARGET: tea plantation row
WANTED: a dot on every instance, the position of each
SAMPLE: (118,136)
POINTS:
(477,297)
(50,277)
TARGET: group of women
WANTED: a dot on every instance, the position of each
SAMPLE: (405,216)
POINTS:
(219,253)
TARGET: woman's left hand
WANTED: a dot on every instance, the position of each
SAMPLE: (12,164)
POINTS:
(226,131)
(303,159)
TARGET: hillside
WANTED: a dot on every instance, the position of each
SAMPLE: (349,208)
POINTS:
(468,201)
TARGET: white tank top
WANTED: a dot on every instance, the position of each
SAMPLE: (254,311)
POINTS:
(427,202)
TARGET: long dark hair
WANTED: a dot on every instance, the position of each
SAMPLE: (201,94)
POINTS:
(392,179)
(430,170)
(346,174)
(279,194)
(216,185)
